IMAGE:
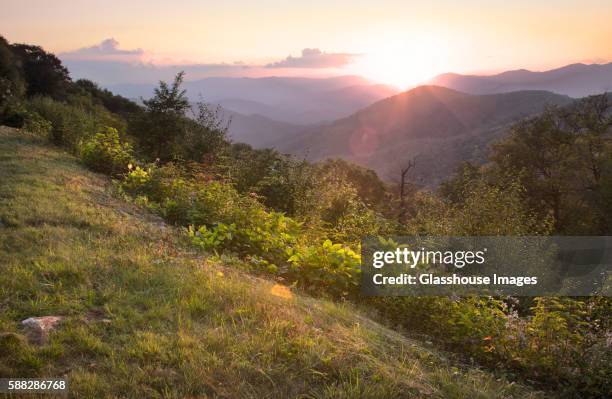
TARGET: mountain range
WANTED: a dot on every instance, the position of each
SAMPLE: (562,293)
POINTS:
(455,118)
(575,80)
(286,99)
(439,126)
(443,124)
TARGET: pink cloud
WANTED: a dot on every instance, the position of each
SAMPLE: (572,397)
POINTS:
(107,50)
(315,58)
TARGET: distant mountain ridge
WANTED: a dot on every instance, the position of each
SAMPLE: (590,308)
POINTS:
(575,80)
(286,99)
(259,131)
(439,125)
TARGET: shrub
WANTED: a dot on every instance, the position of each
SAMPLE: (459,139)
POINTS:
(75,121)
(229,222)
(136,179)
(71,124)
(248,230)
(37,124)
(327,267)
(18,116)
(14,115)
(106,153)
(166,189)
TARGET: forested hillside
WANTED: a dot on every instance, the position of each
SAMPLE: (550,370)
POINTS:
(441,127)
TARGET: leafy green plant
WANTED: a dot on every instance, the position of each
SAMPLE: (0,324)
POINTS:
(36,124)
(334,268)
(70,124)
(136,179)
(212,238)
(106,153)
(17,115)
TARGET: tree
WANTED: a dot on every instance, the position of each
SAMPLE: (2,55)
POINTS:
(454,188)
(12,85)
(206,135)
(43,72)
(169,99)
(114,103)
(163,124)
(402,189)
(559,157)
(370,189)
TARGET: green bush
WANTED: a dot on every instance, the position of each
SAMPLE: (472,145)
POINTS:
(106,153)
(326,267)
(14,114)
(17,115)
(242,226)
(272,241)
(70,124)
(560,341)
(136,179)
(37,124)
(229,222)
(75,121)
(165,190)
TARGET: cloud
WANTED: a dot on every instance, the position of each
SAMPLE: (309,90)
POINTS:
(107,50)
(112,72)
(315,58)
(108,64)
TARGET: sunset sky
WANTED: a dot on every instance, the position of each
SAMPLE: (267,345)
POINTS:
(395,42)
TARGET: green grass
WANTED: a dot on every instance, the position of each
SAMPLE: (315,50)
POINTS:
(148,316)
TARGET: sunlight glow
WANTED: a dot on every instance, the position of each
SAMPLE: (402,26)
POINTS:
(401,64)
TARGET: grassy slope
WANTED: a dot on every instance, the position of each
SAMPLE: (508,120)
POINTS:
(148,317)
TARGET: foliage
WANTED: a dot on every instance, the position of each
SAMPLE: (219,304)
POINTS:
(205,136)
(106,153)
(334,268)
(169,99)
(71,124)
(112,102)
(560,343)
(145,316)
(12,85)
(453,188)
(564,178)
(162,124)
(19,116)
(335,201)
(36,124)
(14,115)
(230,222)
(43,72)
(488,210)
(369,188)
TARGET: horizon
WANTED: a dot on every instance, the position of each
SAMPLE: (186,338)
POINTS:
(397,44)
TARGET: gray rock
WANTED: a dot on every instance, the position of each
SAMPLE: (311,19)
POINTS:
(38,328)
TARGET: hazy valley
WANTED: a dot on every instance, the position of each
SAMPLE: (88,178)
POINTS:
(452,120)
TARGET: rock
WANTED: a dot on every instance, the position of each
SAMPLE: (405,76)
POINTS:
(39,327)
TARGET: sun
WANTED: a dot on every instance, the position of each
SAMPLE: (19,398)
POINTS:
(400,64)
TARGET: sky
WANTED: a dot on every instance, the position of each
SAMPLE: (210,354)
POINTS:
(394,42)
